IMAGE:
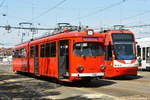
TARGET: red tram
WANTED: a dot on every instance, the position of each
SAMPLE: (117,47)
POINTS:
(67,56)
(120,53)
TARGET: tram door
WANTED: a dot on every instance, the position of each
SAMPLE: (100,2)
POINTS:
(63,59)
(36,61)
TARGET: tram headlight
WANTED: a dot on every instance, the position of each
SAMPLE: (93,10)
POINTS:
(90,31)
(80,69)
(102,67)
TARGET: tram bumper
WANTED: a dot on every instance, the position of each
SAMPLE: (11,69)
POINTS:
(87,74)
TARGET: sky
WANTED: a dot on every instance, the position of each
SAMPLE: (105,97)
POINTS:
(94,13)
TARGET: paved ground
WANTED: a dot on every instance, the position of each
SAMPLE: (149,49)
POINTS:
(20,87)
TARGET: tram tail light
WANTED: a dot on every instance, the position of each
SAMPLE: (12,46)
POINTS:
(80,69)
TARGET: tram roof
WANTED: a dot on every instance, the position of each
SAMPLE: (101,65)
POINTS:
(67,35)
(61,36)
(117,31)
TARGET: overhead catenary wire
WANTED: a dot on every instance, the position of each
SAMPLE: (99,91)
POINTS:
(138,26)
(8,27)
(139,14)
(1,4)
(102,9)
(48,10)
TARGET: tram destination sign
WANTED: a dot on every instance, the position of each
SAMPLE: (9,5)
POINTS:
(90,38)
(122,37)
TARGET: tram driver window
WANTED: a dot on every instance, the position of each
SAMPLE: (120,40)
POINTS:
(89,49)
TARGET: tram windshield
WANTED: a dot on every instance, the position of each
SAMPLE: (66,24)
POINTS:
(124,51)
(88,49)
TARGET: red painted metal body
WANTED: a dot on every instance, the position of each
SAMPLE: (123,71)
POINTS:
(21,63)
(51,66)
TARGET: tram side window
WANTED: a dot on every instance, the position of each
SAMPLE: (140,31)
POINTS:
(47,50)
(15,53)
(23,53)
(143,53)
(53,49)
(109,52)
(19,53)
(42,49)
(31,51)
(138,51)
(147,52)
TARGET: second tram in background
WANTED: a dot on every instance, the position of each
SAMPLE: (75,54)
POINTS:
(143,47)
(120,53)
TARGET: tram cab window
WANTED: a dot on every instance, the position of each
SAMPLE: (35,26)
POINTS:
(124,51)
(88,49)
